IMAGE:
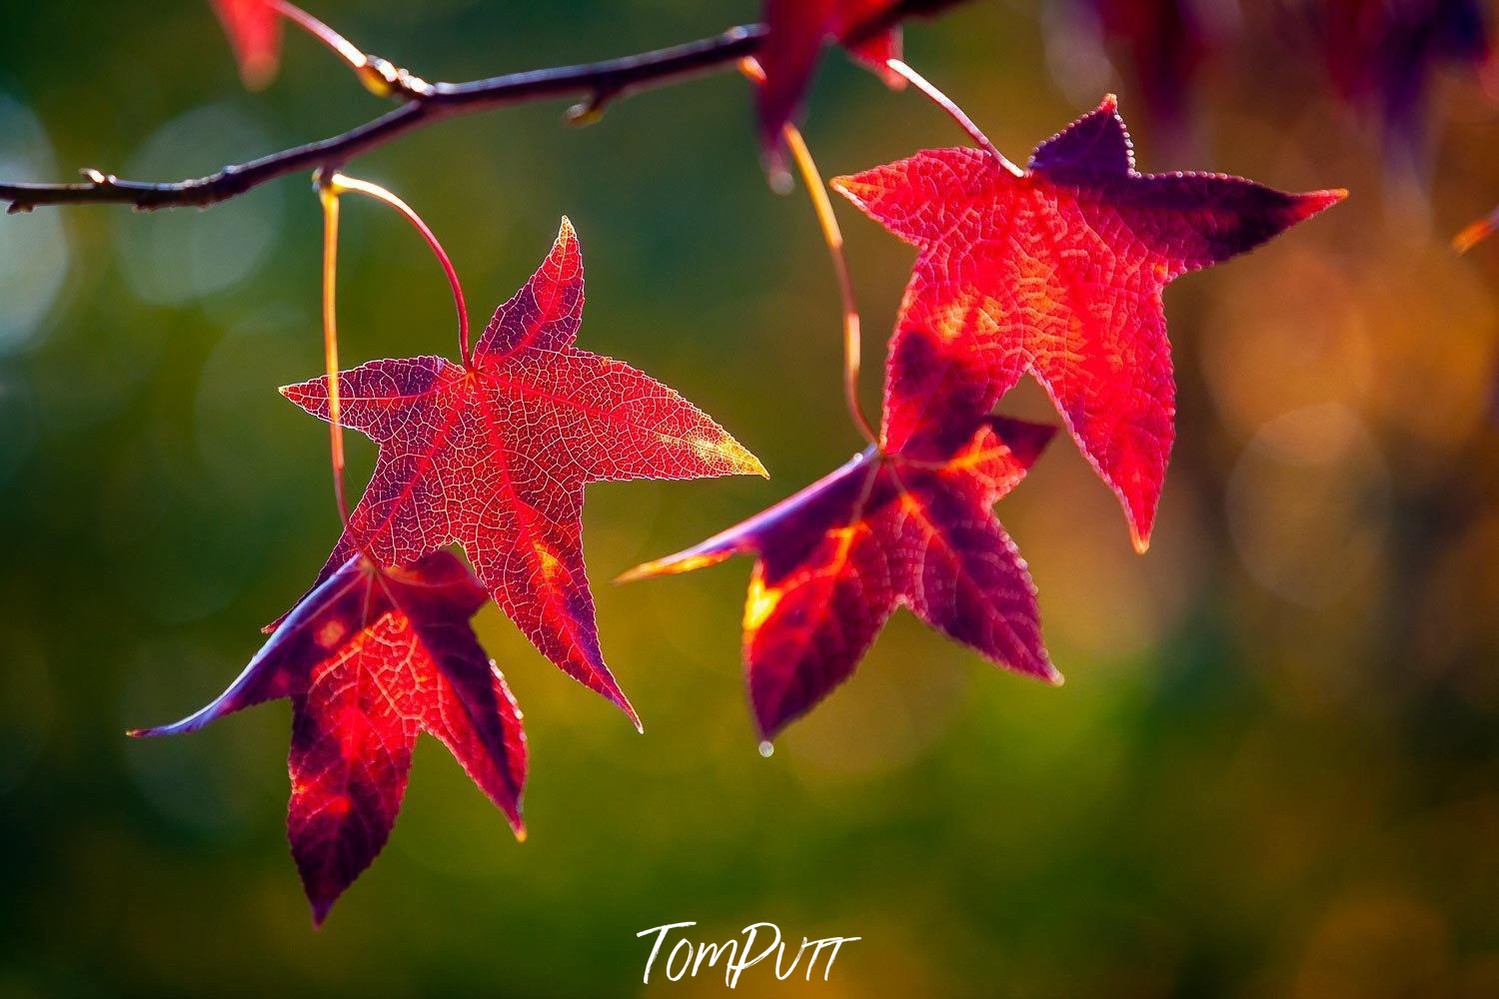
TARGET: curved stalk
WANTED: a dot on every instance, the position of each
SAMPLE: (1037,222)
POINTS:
(336,43)
(832,235)
(378,76)
(957,114)
(328,195)
(341,184)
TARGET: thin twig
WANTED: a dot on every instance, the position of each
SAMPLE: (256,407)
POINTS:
(378,76)
(604,81)
(340,46)
(427,103)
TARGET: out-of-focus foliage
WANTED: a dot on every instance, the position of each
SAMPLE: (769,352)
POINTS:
(253,28)
(1275,765)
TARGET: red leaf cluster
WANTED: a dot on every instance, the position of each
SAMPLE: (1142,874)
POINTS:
(492,455)
(1056,271)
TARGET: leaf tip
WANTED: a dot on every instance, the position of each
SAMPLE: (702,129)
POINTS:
(623,703)
(320,900)
(861,189)
(1317,202)
(1475,233)
(672,565)
(258,72)
(644,570)
(745,462)
(778,177)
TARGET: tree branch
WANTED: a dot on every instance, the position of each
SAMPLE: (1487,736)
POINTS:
(601,81)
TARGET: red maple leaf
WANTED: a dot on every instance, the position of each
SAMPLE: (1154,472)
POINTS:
(370,659)
(911,529)
(494,454)
(1058,272)
(798,32)
(254,30)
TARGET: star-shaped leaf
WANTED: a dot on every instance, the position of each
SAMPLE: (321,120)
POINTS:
(254,30)
(369,660)
(495,455)
(1058,271)
(912,529)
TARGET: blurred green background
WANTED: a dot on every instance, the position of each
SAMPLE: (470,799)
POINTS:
(1274,769)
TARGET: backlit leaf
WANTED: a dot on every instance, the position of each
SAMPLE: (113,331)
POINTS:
(494,457)
(913,529)
(1058,272)
(369,660)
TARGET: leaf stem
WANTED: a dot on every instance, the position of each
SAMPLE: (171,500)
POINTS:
(832,235)
(338,44)
(328,195)
(342,184)
(378,75)
(957,114)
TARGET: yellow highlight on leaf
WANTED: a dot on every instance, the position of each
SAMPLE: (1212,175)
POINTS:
(739,457)
(551,566)
(761,603)
(331,633)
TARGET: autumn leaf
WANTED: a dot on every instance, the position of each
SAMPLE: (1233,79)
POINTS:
(1058,271)
(912,529)
(494,455)
(254,30)
(370,659)
(798,31)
